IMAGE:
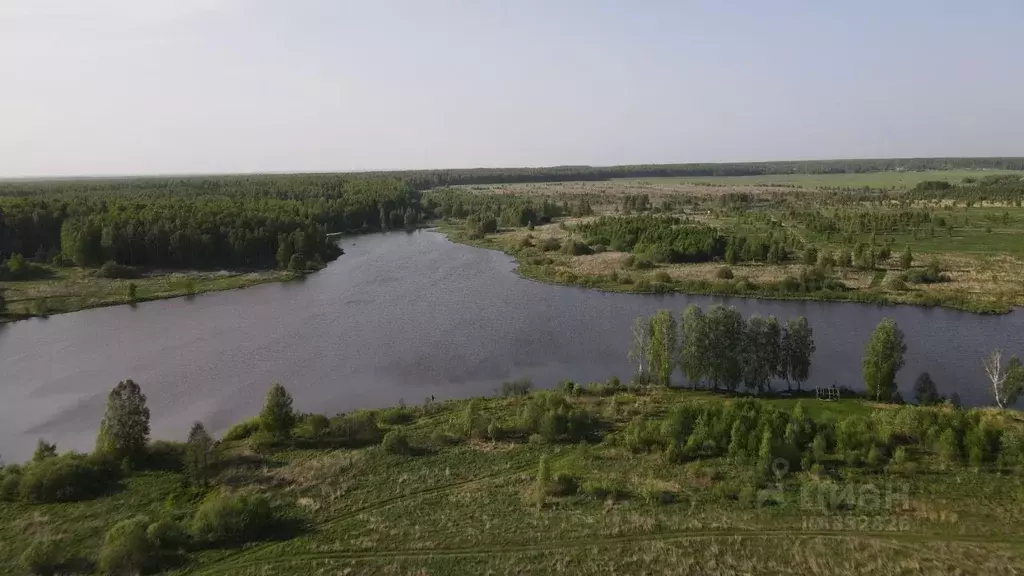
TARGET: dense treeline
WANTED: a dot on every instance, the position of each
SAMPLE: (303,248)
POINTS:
(217,222)
(504,210)
(431,178)
(751,432)
(722,349)
(673,239)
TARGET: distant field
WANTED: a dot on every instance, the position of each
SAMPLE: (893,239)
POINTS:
(872,179)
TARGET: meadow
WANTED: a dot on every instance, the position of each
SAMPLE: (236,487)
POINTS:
(64,290)
(471,490)
(888,179)
(848,232)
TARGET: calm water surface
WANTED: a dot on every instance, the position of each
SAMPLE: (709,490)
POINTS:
(400,316)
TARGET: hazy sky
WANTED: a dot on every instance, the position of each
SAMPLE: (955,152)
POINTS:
(166,86)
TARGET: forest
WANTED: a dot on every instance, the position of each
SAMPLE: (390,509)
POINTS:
(197,223)
(424,179)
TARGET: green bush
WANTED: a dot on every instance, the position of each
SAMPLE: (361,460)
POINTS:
(262,442)
(313,426)
(549,244)
(167,535)
(662,276)
(605,489)
(111,269)
(642,264)
(66,478)
(949,446)
(396,442)
(520,387)
(576,248)
(397,416)
(127,548)
(242,430)
(164,455)
(44,557)
(226,518)
(563,484)
(724,273)
(355,429)
(10,483)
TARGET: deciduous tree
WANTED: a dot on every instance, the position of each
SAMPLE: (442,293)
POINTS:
(883,358)
(124,430)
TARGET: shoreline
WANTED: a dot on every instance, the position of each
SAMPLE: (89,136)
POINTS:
(204,282)
(533,272)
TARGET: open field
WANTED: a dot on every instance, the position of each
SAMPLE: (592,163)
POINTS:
(848,180)
(71,289)
(467,500)
(968,236)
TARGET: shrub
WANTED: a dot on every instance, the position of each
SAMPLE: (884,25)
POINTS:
(819,448)
(563,484)
(875,457)
(231,518)
(167,535)
(441,439)
(520,387)
(474,425)
(44,557)
(949,446)
(896,283)
(605,489)
(355,429)
(925,390)
(724,273)
(277,417)
(164,455)
(901,456)
(66,478)
(242,430)
(397,416)
(575,248)
(262,443)
(396,442)
(642,264)
(111,269)
(18,268)
(314,425)
(549,244)
(127,548)
(10,484)
(662,276)
(568,387)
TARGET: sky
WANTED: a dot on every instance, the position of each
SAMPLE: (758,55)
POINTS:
(104,87)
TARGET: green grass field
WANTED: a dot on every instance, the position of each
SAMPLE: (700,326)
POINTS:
(72,289)
(460,506)
(976,242)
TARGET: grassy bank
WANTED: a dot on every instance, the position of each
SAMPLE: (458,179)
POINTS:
(808,237)
(615,272)
(72,289)
(592,479)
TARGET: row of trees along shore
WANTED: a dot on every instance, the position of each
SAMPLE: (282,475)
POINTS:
(721,350)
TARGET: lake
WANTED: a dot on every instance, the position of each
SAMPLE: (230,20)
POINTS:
(402,317)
